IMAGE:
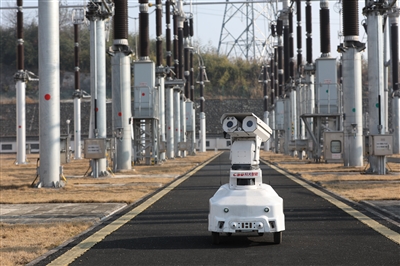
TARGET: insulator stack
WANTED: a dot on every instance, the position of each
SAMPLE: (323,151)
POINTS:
(265,87)
(176,51)
(144,30)
(191,76)
(276,75)
(286,56)
(159,50)
(299,39)
(273,30)
(395,55)
(121,20)
(168,34)
(291,45)
(272,79)
(180,47)
(191,29)
(325,31)
(350,20)
(186,28)
(20,37)
(309,33)
(279,27)
(76,56)
(186,71)
(201,82)
(279,31)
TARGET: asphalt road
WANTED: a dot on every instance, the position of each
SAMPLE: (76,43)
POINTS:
(173,231)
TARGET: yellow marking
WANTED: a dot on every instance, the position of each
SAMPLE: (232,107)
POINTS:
(77,251)
(392,235)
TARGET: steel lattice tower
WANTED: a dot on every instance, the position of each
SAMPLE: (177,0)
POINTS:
(251,41)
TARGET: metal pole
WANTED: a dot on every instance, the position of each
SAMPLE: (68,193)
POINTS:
(93,90)
(20,78)
(121,88)
(169,123)
(77,128)
(101,90)
(121,95)
(265,92)
(161,86)
(351,57)
(49,94)
(177,120)
(375,83)
(183,123)
(394,48)
(169,91)
(202,116)
(78,18)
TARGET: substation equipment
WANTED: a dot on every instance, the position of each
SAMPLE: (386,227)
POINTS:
(163,108)
(327,95)
(311,108)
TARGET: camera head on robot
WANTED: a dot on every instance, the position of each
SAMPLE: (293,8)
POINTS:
(245,125)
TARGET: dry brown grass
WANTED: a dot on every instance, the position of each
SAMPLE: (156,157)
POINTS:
(20,244)
(346,181)
(361,191)
(16,180)
(12,100)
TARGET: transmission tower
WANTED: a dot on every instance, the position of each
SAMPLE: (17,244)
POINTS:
(245,29)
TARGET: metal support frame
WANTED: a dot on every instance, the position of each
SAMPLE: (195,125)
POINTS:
(316,134)
(146,141)
(251,42)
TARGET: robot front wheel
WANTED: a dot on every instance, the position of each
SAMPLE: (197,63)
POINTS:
(277,237)
(215,236)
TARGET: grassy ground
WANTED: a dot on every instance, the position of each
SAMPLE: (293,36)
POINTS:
(16,181)
(350,182)
(20,244)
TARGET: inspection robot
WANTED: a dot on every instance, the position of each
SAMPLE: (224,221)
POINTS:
(245,204)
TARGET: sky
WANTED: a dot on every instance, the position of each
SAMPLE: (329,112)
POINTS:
(208,21)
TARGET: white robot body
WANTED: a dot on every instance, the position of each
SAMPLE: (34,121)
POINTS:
(245,204)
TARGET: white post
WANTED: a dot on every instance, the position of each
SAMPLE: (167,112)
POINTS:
(193,145)
(183,123)
(272,126)
(169,95)
(352,124)
(177,120)
(266,121)
(394,45)
(21,122)
(161,92)
(377,114)
(77,128)
(121,94)
(49,94)
(202,147)
(101,89)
